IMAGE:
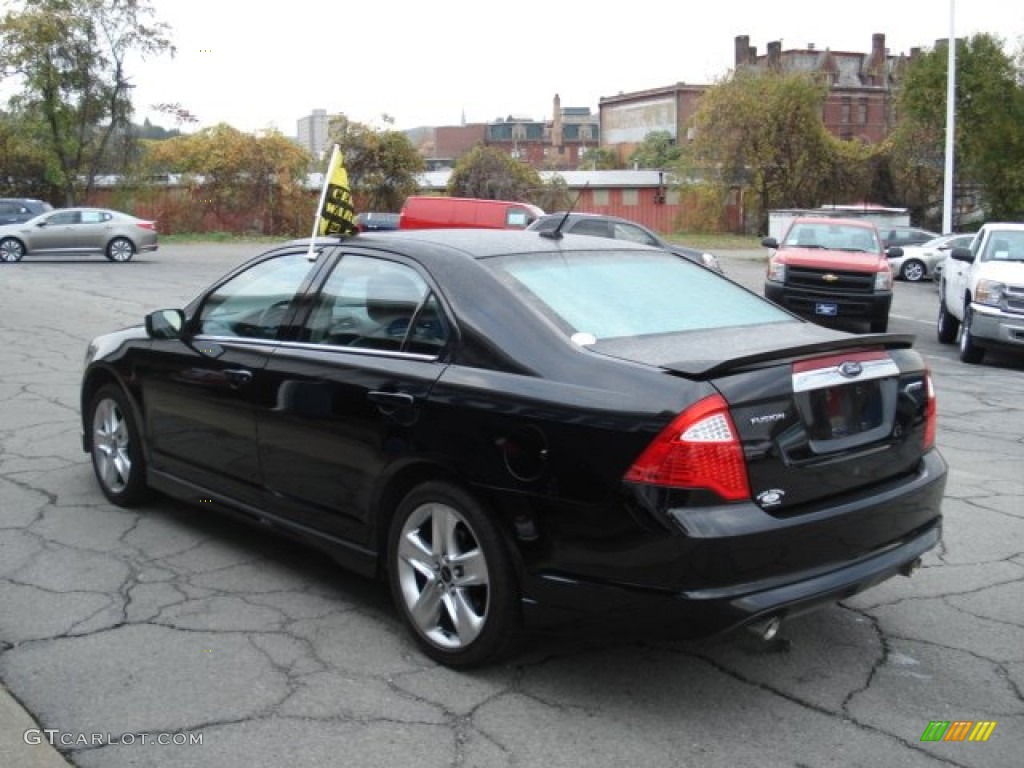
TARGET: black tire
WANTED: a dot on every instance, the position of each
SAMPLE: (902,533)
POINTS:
(880,326)
(913,271)
(118,458)
(120,249)
(11,250)
(970,352)
(459,618)
(946,326)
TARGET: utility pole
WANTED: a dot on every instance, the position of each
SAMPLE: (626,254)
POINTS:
(947,191)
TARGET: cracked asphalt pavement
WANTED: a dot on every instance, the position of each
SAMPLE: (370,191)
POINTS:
(170,621)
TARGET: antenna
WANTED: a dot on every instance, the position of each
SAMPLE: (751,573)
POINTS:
(556,233)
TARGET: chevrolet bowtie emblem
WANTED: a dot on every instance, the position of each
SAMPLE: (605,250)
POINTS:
(828,277)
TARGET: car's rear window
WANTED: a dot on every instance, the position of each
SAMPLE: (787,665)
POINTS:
(616,294)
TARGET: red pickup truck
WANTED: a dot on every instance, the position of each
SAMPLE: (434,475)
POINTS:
(828,269)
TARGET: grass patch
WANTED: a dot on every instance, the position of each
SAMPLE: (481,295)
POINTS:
(717,242)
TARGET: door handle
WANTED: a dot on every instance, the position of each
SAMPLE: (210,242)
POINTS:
(237,377)
(391,400)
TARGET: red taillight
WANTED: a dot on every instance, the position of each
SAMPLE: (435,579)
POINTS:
(930,414)
(151,225)
(699,449)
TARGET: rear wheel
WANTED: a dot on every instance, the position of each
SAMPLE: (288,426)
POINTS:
(970,352)
(913,271)
(11,250)
(451,576)
(120,249)
(946,326)
(117,455)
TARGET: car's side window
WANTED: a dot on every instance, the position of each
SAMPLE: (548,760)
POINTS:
(95,217)
(64,217)
(377,304)
(254,303)
(588,227)
(621,231)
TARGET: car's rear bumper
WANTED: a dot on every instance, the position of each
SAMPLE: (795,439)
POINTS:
(559,599)
(562,602)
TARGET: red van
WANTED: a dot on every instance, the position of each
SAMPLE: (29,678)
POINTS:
(421,212)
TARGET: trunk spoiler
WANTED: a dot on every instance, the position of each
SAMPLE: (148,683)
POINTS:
(705,355)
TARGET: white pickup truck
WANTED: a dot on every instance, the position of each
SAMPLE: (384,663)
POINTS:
(982,293)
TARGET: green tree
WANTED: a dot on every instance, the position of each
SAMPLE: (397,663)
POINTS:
(382,164)
(989,138)
(27,169)
(251,182)
(491,174)
(599,159)
(763,131)
(657,150)
(554,195)
(69,58)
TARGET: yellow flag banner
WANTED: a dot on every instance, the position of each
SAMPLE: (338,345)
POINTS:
(337,216)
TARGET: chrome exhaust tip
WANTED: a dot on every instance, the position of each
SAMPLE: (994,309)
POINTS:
(766,630)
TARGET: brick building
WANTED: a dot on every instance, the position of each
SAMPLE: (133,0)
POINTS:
(859,106)
(558,143)
(861,85)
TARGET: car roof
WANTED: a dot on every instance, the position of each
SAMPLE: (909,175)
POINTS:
(478,243)
(1008,226)
(830,221)
(586,215)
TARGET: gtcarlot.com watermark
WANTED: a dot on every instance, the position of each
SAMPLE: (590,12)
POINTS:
(57,738)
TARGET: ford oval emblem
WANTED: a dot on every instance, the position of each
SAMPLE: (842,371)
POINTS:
(851,369)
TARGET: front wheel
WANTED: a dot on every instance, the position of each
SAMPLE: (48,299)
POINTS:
(120,249)
(451,576)
(970,352)
(946,326)
(11,250)
(880,326)
(117,455)
(913,271)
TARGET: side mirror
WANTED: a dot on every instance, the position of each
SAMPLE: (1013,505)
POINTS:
(962,254)
(165,324)
(770,242)
(894,252)
(41,223)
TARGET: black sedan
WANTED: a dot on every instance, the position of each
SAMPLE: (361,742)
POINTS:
(523,430)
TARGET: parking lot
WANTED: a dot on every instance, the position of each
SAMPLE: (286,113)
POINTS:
(119,627)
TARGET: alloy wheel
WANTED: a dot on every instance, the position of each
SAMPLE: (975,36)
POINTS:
(111,446)
(443,575)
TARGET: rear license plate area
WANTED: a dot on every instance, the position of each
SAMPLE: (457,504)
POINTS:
(846,401)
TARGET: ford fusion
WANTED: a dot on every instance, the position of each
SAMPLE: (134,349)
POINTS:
(521,430)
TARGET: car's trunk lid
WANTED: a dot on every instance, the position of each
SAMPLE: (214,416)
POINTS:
(820,414)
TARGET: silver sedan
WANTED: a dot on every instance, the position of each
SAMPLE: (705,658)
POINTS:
(78,231)
(922,261)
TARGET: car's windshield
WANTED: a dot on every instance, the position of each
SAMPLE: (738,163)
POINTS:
(835,237)
(615,294)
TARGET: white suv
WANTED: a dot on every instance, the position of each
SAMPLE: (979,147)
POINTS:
(982,290)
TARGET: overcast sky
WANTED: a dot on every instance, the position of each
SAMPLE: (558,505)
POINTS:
(427,62)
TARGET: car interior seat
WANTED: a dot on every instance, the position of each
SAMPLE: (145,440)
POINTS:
(391,302)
